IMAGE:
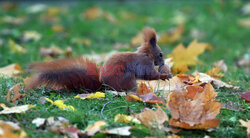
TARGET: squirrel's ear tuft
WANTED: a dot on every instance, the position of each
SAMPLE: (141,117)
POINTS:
(149,35)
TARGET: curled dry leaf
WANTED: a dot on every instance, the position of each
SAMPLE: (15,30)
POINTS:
(185,57)
(12,69)
(144,94)
(94,128)
(152,119)
(247,125)
(11,130)
(126,119)
(15,109)
(53,51)
(194,111)
(16,94)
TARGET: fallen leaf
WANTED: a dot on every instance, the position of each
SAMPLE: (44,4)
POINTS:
(221,65)
(172,36)
(247,125)
(218,83)
(39,121)
(215,73)
(93,13)
(121,131)
(13,20)
(152,119)
(15,109)
(126,119)
(110,17)
(81,41)
(246,8)
(94,128)
(16,94)
(245,22)
(144,94)
(58,28)
(60,104)
(137,40)
(16,47)
(244,62)
(53,51)
(31,35)
(231,106)
(194,111)
(12,69)
(185,57)
(246,96)
(91,95)
(36,8)
(11,130)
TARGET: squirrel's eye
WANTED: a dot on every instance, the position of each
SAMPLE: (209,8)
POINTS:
(160,55)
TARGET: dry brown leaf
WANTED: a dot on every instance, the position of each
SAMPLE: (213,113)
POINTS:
(195,112)
(54,51)
(15,109)
(247,125)
(185,57)
(16,95)
(11,130)
(246,96)
(166,86)
(145,94)
(152,119)
(81,41)
(12,69)
(92,129)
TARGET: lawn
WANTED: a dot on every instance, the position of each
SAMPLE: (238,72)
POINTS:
(63,25)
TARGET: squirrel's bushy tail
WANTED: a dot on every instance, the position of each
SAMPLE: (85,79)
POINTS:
(70,74)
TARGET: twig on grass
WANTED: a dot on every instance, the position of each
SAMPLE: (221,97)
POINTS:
(104,108)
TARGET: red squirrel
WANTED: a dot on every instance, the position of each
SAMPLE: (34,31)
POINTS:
(119,72)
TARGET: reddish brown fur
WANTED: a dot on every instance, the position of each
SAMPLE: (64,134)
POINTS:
(119,72)
(136,65)
(68,74)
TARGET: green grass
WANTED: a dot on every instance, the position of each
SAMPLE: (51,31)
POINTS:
(217,21)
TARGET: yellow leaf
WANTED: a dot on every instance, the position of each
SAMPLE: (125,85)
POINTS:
(96,95)
(16,47)
(246,124)
(15,109)
(60,104)
(137,40)
(126,119)
(92,129)
(12,69)
(184,57)
(11,130)
(93,13)
(172,36)
(31,35)
(215,73)
(58,28)
(82,41)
